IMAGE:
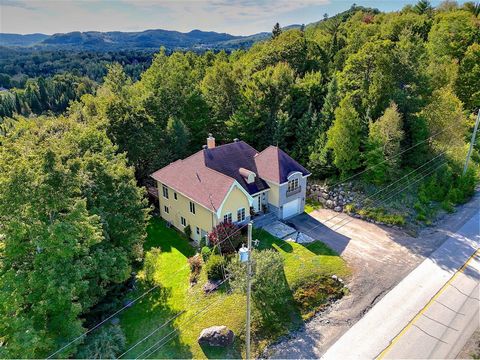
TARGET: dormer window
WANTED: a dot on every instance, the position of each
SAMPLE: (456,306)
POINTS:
(248,175)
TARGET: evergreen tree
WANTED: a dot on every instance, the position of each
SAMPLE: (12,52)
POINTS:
(178,138)
(276,31)
(423,7)
(344,137)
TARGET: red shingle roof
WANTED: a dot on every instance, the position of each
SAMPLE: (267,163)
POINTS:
(206,176)
(196,181)
(275,165)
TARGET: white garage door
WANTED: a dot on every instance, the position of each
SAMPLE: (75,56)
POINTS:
(291,208)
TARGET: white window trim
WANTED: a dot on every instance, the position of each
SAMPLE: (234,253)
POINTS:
(165,191)
(192,206)
(244,214)
(228,215)
(295,182)
(181,221)
(235,184)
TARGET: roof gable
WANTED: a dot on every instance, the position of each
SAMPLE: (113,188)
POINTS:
(275,165)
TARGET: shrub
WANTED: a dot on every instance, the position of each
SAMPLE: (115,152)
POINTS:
(315,292)
(219,236)
(195,263)
(215,267)
(379,214)
(350,208)
(206,252)
(269,287)
(188,231)
(203,242)
(152,265)
(105,343)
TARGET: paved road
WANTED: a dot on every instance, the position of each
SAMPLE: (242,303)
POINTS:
(431,313)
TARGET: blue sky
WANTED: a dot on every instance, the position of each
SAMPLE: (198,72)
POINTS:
(238,17)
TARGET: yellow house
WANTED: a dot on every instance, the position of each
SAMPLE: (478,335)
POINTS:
(229,183)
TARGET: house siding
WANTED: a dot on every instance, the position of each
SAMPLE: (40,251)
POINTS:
(277,196)
(235,200)
(203,219)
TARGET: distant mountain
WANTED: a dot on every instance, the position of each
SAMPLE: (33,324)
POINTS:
(21,40)
(148,39)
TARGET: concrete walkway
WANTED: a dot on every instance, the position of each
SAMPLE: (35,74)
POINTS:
(380,330)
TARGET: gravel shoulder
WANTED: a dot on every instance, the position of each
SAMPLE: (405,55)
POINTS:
(379,258)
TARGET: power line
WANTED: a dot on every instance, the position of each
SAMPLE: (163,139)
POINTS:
(162,326)
(397,155)
(381,190)
(130,303)
(443,163)
(150,351)
(394,190)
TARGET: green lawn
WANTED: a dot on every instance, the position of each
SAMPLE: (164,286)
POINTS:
(199,310)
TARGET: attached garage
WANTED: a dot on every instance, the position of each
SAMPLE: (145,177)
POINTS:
(291,208)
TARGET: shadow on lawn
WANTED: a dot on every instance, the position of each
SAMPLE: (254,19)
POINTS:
(267,241)
(166,238)
(278,319)
(149,320)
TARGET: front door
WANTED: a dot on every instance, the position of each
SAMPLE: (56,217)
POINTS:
(257,203)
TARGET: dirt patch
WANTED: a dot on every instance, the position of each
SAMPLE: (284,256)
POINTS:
(471,350)
(379,257)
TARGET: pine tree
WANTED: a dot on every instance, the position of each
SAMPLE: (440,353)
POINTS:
(344,137)
(423,7)
(178,138)
(277,30)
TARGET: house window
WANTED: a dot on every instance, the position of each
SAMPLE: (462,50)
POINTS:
(192,207)
(292,185)
(183,221)
(166,209)
(175,196)
(241,214)
(165,192)
(227,218)
(197,230)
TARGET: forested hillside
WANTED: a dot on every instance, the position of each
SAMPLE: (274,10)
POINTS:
(363,91)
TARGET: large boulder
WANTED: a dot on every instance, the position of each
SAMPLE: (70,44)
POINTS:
(216,336)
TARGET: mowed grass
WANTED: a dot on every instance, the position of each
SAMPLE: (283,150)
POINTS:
(190,310)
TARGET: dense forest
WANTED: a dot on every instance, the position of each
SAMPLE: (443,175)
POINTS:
(362,91)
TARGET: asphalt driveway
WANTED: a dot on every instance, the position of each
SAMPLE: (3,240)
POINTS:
(379,257)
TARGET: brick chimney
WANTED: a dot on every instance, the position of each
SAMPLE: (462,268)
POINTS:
(210,141)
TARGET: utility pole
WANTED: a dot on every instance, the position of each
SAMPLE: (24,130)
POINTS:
(249,288)
(472,142)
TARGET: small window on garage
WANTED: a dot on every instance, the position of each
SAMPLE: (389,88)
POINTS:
(197,230)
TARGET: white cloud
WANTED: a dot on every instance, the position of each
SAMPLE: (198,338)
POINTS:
(237,17)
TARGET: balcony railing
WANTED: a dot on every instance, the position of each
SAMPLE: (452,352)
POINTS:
(294,191)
